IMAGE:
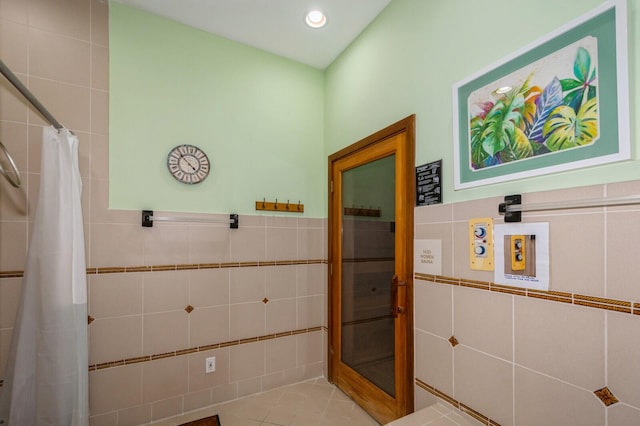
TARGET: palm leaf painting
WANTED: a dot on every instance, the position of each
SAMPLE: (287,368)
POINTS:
(566,129)
(579,89)
(529,121)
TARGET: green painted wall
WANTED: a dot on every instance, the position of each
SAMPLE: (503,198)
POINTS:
(269,124)
(408,59)
(259,117)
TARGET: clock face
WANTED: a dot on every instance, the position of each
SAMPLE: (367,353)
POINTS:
(188,164)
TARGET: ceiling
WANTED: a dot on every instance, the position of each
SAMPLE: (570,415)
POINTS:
(277,26)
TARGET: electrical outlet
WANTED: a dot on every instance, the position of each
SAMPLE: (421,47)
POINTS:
(210,364)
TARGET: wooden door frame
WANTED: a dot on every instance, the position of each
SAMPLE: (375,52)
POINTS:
(404,232)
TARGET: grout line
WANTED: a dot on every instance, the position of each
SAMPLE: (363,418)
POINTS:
(606,293)
(606,357)
(453,352)
(605,236)
(555,379)
(457,405)
(513,358)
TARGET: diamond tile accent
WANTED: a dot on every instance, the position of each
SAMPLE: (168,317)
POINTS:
(189,309)
(90,319)
(606,396)
(454,342)
(265,300)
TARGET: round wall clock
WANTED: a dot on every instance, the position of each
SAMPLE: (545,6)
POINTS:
(188,164)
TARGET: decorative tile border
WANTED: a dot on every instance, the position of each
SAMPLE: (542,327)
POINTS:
(181,267)
(482,285)
(555,296)
(456,404)
(204,348)
(623,306)
(11,274)
(598,302)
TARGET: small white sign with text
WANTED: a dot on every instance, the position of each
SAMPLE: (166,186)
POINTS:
(427,257)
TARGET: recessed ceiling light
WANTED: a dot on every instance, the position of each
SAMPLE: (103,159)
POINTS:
(316,19)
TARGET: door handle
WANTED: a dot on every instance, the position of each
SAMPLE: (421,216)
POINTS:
(396,287)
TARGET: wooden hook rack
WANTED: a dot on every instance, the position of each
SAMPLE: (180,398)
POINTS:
(361,211)
(279,206)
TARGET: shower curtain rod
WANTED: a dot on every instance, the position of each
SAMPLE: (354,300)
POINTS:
(27,94)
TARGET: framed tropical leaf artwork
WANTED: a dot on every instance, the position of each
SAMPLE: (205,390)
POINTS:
(559,104)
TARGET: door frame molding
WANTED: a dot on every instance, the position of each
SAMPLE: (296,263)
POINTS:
(406,172)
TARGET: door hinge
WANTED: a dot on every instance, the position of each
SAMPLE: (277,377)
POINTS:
(331,186)
(331,269)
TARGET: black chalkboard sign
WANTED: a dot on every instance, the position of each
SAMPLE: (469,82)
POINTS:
(429,184)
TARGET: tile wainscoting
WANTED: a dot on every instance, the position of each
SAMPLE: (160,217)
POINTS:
(523,357)
(151,328)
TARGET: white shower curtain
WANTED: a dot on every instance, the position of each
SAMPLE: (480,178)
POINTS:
(46,382)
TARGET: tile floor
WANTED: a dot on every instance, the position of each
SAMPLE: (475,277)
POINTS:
(436,415)
(311,403)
